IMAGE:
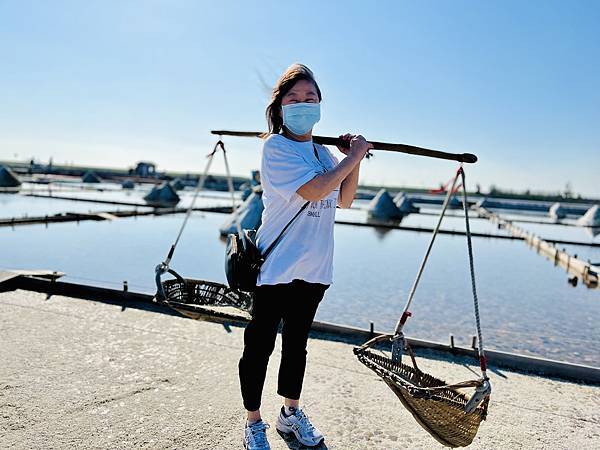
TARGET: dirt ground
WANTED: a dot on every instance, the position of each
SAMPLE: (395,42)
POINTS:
(81,374)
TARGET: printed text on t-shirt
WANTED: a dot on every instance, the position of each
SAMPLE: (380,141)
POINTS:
(316,207)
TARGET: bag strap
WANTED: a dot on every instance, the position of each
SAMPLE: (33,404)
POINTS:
(272,246)
(316,152)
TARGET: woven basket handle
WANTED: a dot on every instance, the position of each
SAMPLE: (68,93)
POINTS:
(373,341)
(387,337)
(412,356)
(159,271)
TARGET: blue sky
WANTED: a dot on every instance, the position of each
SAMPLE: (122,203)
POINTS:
(113,82)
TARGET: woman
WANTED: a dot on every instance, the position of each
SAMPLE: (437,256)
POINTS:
(295,172)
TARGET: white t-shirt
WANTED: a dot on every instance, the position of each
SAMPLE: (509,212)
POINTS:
(305,251)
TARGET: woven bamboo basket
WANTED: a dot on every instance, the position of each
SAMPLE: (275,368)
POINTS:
(206,298)
(439,411)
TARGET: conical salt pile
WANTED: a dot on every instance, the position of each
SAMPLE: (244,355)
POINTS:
(483,203)
(404,204)
(246,190)
(455,202)
(398,197)
(127,184)
(178,184)
(591,220)
(557,211)
(91,177)
(8,178)
(382,207)
(249,214)
(163,195)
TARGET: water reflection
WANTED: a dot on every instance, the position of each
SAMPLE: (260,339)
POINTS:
(526,304)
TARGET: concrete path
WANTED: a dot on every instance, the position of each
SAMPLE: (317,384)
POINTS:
(81,374)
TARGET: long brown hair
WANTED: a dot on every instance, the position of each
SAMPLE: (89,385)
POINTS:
(290,77)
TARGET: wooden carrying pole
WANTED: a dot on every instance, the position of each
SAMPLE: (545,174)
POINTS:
(402,148)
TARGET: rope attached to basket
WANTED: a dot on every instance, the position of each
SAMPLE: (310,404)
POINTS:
(406,313)
(482,358)
(398,341)
(483,391)
(445,412)
(399,344)
(163,267)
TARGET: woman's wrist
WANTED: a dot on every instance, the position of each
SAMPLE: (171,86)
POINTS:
(355,157)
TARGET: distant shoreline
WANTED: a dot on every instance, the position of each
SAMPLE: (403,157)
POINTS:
(118,174)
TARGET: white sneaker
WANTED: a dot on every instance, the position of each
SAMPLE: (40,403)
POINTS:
(299,424)
(255,436)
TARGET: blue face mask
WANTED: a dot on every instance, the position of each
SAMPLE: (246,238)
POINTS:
(299,118)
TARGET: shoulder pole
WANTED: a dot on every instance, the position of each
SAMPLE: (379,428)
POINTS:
(385,146)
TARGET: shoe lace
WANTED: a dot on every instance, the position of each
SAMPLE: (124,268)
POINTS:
(304,421)
(258,433)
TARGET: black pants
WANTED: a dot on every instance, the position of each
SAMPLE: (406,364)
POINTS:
(296,304)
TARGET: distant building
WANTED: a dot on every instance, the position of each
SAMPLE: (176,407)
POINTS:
(145,169)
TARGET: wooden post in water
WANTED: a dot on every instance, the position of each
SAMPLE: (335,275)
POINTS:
(589,274)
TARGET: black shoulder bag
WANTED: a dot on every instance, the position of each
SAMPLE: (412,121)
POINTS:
(243,259)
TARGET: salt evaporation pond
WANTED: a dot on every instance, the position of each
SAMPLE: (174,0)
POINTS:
(526,304)
(17,206)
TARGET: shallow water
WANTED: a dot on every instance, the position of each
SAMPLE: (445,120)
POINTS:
(17,206)
(526,304)
(20,206)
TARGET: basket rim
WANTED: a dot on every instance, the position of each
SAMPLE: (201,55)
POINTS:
(211,314)
(237,299)
(387,374)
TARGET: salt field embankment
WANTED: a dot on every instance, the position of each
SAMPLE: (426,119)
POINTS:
(81,374)
(521,293)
